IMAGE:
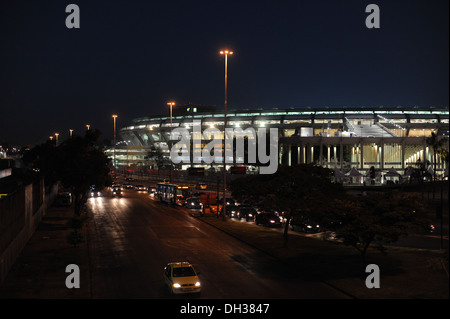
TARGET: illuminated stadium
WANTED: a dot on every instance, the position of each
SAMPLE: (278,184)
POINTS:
(339,138)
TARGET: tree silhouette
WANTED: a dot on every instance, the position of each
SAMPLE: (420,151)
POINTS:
(303,187)
(78,163)
(436,144)
(374,219)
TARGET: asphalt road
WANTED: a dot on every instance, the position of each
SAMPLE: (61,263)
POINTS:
(132,239)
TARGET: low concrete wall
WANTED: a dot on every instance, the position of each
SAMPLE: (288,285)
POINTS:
(27,217)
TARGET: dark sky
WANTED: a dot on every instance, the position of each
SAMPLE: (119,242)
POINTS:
(131,57)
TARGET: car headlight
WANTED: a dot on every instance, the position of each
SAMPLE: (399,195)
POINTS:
(197,284)
(309,226)
(272,221)
(175,285)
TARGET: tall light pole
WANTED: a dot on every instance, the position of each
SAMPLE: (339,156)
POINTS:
(88,126)
(170,104)
(114,154)
(56,135)
(224,207)
(70,132)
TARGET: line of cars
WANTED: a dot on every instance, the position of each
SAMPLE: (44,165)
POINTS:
(117,188)
(242,211)
(251,214)
(298,221)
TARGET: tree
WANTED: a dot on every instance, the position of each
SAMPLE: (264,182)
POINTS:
(156,154)
(43,158)
(373,219)
(77,163)
(303,187)
(83,165)
(420,172)
(436,144)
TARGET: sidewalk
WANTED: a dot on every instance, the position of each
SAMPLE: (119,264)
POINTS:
(39,271)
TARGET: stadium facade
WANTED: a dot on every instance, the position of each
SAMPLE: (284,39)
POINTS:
(340,138)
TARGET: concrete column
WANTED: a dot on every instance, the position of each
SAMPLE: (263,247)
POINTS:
(289,155)
(335,155)
(302,153)
(328,155)
(424,152)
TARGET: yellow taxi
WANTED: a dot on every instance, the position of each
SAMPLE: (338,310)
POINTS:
(181,277)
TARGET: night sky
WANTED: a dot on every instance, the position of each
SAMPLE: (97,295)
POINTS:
(131,57)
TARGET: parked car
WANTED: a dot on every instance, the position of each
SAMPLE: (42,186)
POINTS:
(193,203)
(268,219)
(228,200)
(247,212)
(304,224)
(232,211)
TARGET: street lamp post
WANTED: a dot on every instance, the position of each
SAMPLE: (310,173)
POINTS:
(224,207)
(70,132)
(88,126)
(170,104)
(56,135)
(114,150)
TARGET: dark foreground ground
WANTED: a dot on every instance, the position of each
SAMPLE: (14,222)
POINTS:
(406,273)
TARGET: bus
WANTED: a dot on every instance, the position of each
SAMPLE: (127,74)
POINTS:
(172,193)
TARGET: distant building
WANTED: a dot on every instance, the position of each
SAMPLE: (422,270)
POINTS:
(342,138)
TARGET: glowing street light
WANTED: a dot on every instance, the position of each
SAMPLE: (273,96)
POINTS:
(70,132)
(225,53)
(56,135)
(170,104)
(114,156)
